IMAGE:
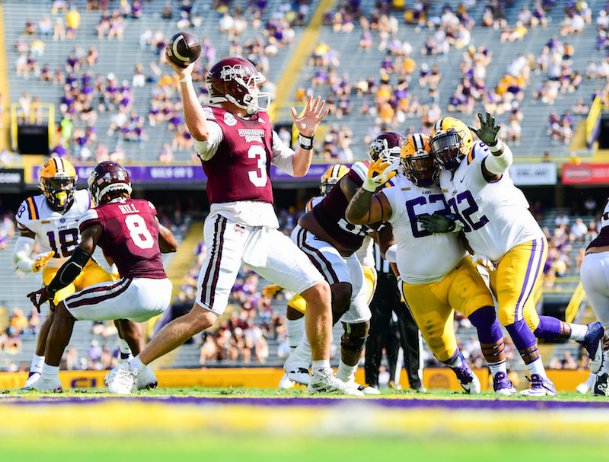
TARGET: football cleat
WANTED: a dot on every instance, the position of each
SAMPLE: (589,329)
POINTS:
(365,389)
(299,375)
(324,381)
(121,379)
(285,383)
(600,386)
(45,384)
(583,388)
(146,380)
(31,379)
(468,380)
(540,386)
(503,385)
(593,343)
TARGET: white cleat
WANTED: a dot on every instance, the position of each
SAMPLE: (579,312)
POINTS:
(324,381)
(33,377)
(468,380)
(146,380)
(365,389)
(121,379)
(540,386)
(43,384)
(583,388)
(285,383)
(299,375)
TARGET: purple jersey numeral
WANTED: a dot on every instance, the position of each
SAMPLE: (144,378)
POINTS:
(464,206)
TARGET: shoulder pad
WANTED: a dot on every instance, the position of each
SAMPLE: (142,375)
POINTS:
(361,169)
(479,151)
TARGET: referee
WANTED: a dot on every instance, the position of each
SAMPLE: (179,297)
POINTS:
(384,333)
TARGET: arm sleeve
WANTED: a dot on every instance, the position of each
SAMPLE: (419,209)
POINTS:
(22,252)
(206,149)
(500,158)
(282,155)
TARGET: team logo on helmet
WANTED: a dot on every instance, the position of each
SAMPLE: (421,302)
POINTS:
(108,177)
(387,146)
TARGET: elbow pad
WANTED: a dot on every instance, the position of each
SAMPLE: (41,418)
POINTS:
(70,270)
(500,159)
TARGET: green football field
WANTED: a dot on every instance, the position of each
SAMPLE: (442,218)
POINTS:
(168,425)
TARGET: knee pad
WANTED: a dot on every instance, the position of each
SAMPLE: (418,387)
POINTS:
(354,337)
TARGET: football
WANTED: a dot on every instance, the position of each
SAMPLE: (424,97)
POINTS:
(183,49)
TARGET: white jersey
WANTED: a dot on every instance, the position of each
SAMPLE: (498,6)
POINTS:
(54,231)
(495,216)
(422,257)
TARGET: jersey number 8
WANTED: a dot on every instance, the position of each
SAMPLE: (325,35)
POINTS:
(139,232)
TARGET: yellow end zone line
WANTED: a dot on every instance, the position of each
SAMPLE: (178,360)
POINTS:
(348,419)
(4,88)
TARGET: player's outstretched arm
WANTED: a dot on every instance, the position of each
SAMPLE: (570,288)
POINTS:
(167,242)
(194,116)
(367,207)
(89,237)
(307,124)
(496,165)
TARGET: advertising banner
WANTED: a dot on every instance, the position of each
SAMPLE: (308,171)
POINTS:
(585,174)
(533,174)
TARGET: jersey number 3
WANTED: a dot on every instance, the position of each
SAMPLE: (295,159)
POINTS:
(258,177)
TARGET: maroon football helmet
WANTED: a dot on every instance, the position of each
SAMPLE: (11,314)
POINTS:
(236,80)
(106,177)
(387,146)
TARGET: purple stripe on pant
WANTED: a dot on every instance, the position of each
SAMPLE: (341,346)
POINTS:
(522,298)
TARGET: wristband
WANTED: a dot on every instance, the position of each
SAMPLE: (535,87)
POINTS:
(306,142)
(496,147)
(186,79)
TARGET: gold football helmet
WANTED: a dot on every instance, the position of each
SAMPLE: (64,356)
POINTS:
(331,176)
(450,141)
(416,160)
(57,181)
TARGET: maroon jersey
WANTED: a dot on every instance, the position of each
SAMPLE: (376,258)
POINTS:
(330,214)
(240,168)
(130,237)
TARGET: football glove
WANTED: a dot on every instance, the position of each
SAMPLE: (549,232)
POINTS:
(488,129)
(271,290)
(39,297)
(42,261)
(436,223)
(379,173)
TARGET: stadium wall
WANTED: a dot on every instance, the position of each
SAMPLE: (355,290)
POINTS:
(565,380)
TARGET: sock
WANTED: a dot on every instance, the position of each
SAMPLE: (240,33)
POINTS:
(455,361)
(37,362)
(49,372)
(591,380)
(321,365)
(124,347)
(296,331)
(345,372)
(136,364)
(578,331)
(550,328)
(524,340)
(300,356)
(536,367)
(498,367)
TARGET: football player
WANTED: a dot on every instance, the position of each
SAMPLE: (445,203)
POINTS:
(498,226)
(236,143)
(331,243)
(130,235)
(594,278)
(50,220)
(437,277)
(297,306)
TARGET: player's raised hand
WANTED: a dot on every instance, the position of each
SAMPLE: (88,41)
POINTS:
(182,72)
(314,112)
(42,261)
(488,129)
(379,173)
(39,297)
